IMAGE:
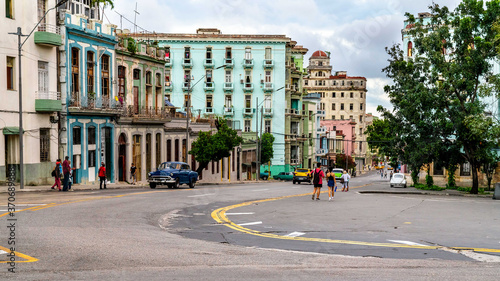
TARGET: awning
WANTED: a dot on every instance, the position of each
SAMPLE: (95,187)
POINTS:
(11,131)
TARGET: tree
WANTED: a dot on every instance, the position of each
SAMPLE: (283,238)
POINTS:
(104,2)
(213,147)
(340,161)
(266,148)
(436,93)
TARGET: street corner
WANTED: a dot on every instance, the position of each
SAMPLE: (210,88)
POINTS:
(10,255)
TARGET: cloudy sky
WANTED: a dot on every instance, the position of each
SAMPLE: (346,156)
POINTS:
(356,32)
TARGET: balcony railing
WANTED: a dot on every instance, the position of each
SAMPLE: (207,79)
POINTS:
(228,111)
(268,112)
(292,111)
(48,35)
(228,62)
(321,130)
(248,63)
(96,105)
(185,86)
(268,87)
(209,110)
(321,151)
(48,101)
(228,87)
(209,63)
(209,86)
(45,27)
(294,161)
(50,95)
(248,87)
(268,63)
(145,113)
(168,62)
(248,111)
(187,63)
(169,86)
(320,113)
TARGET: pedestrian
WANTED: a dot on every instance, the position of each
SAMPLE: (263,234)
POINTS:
(133,173)
(317,181)
(344,180)
(332,185)
(385,174)
(57,175)
(102,176)
(381,174)
(66,168)
(390,176)
(70,181)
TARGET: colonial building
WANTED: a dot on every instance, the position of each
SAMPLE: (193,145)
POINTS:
(40,97)
(343,98)
(88,89)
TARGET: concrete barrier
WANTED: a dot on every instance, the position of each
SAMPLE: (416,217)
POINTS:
(496,195)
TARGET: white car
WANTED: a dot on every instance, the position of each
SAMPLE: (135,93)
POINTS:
(398,180)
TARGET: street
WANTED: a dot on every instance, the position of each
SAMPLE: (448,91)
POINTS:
(263,231)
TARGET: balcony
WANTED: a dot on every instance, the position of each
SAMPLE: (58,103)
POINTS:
(292,111)
(248,63)
(248,87)
(144,114)
(169,86)
(48,35)
(228,87)
(48,102)
(209,110)
(209,86)
(228,111)
(320,113)
(268,63)
(185,86)
(268,112)
(294,161)
(187,63)
(168,63)
(321,130)
(209,63)
(248,111)
(321,152)
(228,63)
(268,87)
(100,106)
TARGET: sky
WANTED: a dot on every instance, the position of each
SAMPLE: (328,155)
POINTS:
(356,32)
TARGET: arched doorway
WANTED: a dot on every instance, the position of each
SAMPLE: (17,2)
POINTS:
(122,158)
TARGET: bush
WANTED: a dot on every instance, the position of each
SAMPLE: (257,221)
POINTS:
(429,180)
(427,187)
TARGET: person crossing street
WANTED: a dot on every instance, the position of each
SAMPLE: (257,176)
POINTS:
(317,181)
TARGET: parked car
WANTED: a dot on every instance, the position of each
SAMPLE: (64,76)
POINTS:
(285,176)
(173,174)
(338,173)
(302,175)
(398,180)
(264,175)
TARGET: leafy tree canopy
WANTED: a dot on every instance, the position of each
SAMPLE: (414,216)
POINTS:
(267,152)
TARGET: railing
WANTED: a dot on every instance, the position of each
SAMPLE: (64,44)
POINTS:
(209,86)
(292,111)
(50,95)
(45,27)
(321,130)
(186,63)
(95,103)
(169,86)
(228,62)
(228,86)
(268,111)
(248,63)
(268,87)
(248,87)
(228,111)
(168,62)
(248,110)
(321,151)
(145,112)
(268,63)
(209,63)
(294,161)
(209,110)
(320,113)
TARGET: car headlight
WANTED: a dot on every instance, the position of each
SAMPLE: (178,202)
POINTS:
(171,174)
(149,175)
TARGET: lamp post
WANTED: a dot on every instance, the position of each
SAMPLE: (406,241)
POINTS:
(190,88)
(19,49)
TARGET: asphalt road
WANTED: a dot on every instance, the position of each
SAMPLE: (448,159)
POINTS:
(268,231)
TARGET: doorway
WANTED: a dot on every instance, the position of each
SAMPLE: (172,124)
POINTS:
(122,158)
(136,155)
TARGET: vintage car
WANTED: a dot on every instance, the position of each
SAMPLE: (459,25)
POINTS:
(302,175)
(284,176)
(398,180)
(172,174)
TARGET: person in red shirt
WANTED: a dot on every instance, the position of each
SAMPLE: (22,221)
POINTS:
(318,176)
(102,176)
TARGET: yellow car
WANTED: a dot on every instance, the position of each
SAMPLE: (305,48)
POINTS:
(302,175)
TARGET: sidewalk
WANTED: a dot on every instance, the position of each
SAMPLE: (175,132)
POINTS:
(413,190)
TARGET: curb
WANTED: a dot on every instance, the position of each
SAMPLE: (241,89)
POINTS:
(425,193)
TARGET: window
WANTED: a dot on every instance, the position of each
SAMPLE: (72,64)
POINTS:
(352,94)
(322,106)
(186,101)
(91,135)
(248,53)
(343,83)
(158,149)
(361,94)
(342,94)
(167,54)
(351,107)
(75,70)
(351,118)
(267,54)
(137,74)
(228,102)
(105,75)
(333,95)
(333,117)
(167,78)
(465,170)
(333,106)
(341,117)
(410,49)
(268,76)
(91,160)
(169,150)
(209,104)
(306,82)
(44,145)
(148,78)
(360,106)
(267,102)
(158,80)
(187,55)
(208,76)
(360,129)
(43,78)
(9,11)
(229,76)
(360,118)
(177,149)
(90,72)
(248,123)
(10,73)
(77,134)
(228,53)
(438,171)
(209,55)
(121,81)
(341,106)
(361,84)
(248,101)
(267,126)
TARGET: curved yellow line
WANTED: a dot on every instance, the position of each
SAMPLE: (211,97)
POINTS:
(26,257)
(219,216)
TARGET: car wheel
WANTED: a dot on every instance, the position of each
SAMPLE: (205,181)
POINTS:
(152,185)
(404,186)
(293,182)
(177,183)
(192,183)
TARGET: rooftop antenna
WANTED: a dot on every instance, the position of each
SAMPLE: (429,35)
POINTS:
(135,16)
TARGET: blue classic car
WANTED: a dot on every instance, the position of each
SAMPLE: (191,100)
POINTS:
(173,174)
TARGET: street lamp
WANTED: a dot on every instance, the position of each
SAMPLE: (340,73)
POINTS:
(19,49)
(190,88)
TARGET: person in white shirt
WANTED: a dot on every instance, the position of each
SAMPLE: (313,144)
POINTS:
(344,180)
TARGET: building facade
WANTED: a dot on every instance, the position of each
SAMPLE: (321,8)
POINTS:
(40,97)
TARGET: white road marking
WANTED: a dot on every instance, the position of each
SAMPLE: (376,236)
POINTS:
(406,242)
(250,223)
(295,234)
(3,210)
(198,214)
(2,252)
(26,205)
(260,190)
(480,257)
(202,195)
(236,214)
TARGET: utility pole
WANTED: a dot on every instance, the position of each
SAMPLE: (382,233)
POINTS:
(257,173)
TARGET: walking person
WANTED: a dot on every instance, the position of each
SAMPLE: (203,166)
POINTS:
(390,176)
(317,181)
(381,174)
(344,180)
(66,169)
(332,184)
(102,176)
(58,172)
(70,180)
(133,173)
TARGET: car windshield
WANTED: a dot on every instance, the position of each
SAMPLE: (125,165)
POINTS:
(396,176)
(170,166)
(302,171)
(337,171)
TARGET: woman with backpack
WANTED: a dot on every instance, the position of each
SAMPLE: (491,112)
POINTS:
(318,176)
(330,175)
(344,180)
(57,173)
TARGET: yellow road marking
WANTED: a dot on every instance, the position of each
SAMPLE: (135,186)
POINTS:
(26,257)
(219,216)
